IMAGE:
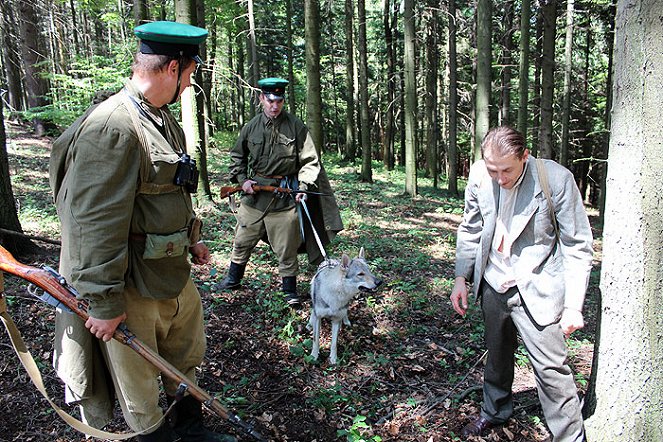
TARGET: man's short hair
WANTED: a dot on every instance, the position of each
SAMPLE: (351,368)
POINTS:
(504,141)
(152,63)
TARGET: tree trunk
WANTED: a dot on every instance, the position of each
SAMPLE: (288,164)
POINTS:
(484,58)
(604,166)
(292,103)
(313,92)
(453,101)
(504,117)
(254,70)
(366,148)
(410,93)
(33,63)
(141,14)
(350,150)
(523,75)
(431,123)
(629,372)
(193,104)
(549,15)
(389,115)
(10,59)
(15,244)
(566,101)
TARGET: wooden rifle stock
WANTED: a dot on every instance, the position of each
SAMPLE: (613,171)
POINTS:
(65,296)
(229,190)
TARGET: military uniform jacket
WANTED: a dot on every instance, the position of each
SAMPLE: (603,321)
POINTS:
(267,149)
(102,204)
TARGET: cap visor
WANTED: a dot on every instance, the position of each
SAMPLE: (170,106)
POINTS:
(271,96)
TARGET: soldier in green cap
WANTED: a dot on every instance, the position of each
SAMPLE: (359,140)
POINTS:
(122,182)
(275,148)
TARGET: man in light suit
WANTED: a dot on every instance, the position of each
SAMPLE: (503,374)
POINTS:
(530,266)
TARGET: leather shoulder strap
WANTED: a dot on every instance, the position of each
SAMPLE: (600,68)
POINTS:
(545,186)
(144,186)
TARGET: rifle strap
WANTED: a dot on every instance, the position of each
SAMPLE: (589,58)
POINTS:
(33,371)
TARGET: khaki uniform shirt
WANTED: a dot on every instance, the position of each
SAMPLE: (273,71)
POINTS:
(269,148)
(96,187)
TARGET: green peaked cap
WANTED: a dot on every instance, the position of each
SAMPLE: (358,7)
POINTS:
(170,38)
(273,87)
(171,32)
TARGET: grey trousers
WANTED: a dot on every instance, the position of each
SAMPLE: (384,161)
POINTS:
(505,315)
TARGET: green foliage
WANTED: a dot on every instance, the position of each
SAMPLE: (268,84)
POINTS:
(73,92)
(356,431)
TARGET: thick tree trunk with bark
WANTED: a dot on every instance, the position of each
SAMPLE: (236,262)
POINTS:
(33,62)
(350,150)
(15,244)
(549,17)
(453,101)
(10,58)
(431,122)
(523,72)
(628,400)
(389,115)
(484,59)
(366,148)
(504,117)
(566,100)
(313,92)
(292,103)
(193,105)
(410,93)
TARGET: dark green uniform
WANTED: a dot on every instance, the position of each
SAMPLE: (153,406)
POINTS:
(109,212)
(266,151)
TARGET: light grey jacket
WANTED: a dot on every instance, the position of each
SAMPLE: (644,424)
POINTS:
(550,276)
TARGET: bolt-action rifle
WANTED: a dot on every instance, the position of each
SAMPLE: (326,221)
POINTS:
(229,190)
(58,293)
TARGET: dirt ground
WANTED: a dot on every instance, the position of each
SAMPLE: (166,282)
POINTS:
(407,364)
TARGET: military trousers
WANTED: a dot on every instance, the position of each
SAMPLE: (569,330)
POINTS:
(281,230)
(171,327)
(505,316)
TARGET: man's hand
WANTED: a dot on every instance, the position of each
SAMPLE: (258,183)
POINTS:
(301,197)
(247,187)
(571,321)
(199,253)
(459,296)
(104,328)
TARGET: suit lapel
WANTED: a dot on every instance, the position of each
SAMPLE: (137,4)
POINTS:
(526,201)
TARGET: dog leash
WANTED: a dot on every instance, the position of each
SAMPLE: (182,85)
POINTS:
(315,233)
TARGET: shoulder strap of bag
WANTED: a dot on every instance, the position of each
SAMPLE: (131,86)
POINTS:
(144,186)
(545,186)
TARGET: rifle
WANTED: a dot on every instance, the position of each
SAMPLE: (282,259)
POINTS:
(229,190)
(57,292)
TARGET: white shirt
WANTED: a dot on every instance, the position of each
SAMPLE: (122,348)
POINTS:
(499,272)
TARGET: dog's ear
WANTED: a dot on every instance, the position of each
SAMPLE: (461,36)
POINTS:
(345,262)
(361,253)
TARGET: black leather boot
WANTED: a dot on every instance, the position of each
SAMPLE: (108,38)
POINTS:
(186,419)
(290,292)
(162,434)
(233,280)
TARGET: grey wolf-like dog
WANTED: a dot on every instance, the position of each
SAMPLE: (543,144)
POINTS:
(333,288)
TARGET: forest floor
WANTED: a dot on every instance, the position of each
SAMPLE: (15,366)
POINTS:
(409,368)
